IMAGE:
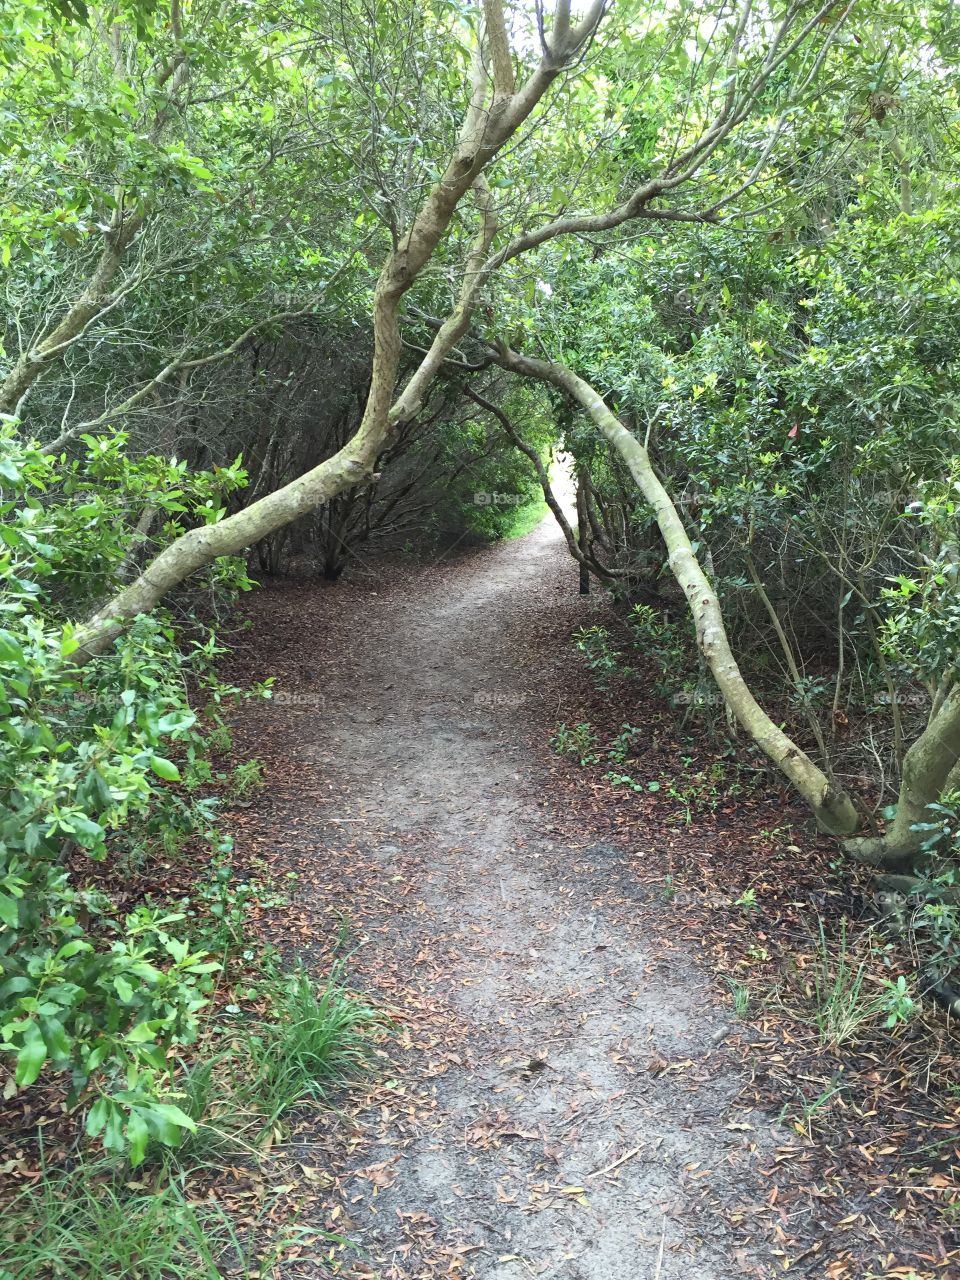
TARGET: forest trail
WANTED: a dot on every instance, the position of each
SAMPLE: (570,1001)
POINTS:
(560,1101)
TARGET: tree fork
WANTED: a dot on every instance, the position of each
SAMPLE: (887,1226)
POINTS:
(484,132)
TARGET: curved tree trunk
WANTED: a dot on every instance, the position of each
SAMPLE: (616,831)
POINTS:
(491,119)
(927,770)
(832,807)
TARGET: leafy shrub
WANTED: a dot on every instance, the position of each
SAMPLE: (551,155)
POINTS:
(247,778)
(602,659)
(935,899)
(88,767)
(669,644)
(580,741)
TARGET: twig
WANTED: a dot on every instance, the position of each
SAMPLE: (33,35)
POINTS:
(616,1164)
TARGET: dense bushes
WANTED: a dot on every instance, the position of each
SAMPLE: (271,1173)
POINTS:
(804,410)
(109,761)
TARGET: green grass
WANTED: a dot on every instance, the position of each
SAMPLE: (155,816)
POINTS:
(315,1040)
(840,1003)
(741,996)
(88,1225)
(310,1041)
(526,518)
(209,1091)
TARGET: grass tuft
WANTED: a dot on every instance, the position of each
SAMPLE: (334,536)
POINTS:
(840,1003)
(88,1225)
(316,1039)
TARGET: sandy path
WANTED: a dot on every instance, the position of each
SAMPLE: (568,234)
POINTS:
(551,1048)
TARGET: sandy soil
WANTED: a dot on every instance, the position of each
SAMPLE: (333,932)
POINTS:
(562,1101)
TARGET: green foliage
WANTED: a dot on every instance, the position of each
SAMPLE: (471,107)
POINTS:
(311,1041)
(671,646)
(741,996)
(493,490)
(602,659)
(747,902)
(627,780)
(934,901)
(89,1223)
(922,619)
(246,779)
(897,1002)
(798,387)
(90,761)
(93,1221)
(579,741)
(842,996)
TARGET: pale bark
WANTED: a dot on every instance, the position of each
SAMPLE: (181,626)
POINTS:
(95,298)
(831,806)
(490,121)
(929,767)
(485,130)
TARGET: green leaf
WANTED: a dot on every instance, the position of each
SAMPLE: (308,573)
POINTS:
(164,768)
(31,1057)
(175,720)
(10,650)
(123,989)
(14,987)
(113,1134)
(142,1032)
(9,911)
(138,1135)
(97,1116)
(56,1039)
(170,1113)
(73,948)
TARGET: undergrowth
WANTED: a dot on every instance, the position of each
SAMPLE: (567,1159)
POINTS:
(93,1223)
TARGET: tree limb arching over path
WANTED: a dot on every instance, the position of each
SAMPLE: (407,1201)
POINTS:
(496,111)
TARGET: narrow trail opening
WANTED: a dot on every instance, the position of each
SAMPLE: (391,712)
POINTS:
(561,1100)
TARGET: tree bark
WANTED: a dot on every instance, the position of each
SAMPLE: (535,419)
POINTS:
(487,127)
(927,769)
(831,806)
(491,120)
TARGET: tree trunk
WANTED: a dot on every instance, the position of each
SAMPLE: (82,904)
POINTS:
(831,806)
(488,124)
(927,769)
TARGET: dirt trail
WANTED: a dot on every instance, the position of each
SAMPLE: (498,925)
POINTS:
(546,1046)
